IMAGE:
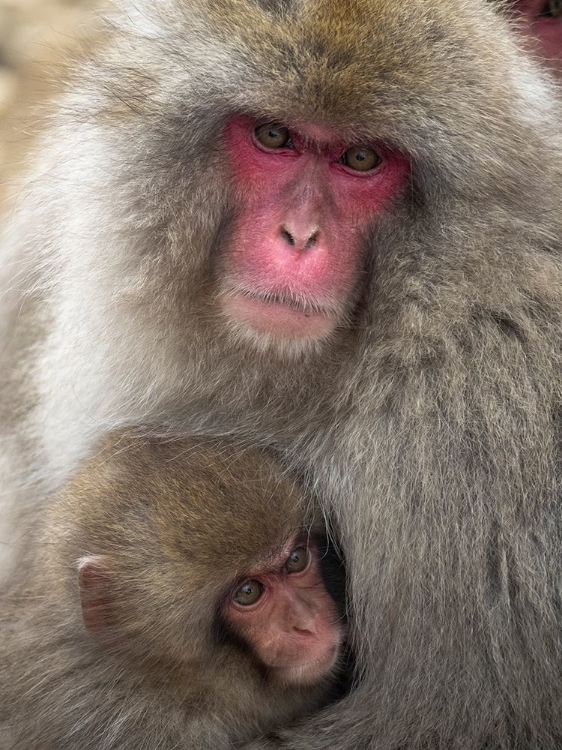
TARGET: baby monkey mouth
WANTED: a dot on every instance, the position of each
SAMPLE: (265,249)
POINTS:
(311,671)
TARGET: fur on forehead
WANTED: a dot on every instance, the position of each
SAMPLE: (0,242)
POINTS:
(404,73)
(343,62)
(210,504)
(370,70)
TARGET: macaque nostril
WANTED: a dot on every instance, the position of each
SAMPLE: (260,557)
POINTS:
(288,237)
(312,240)
(301,240)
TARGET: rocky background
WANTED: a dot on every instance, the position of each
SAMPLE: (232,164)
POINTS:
(36,37)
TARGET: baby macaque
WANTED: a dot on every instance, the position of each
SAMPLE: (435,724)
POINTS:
(178,599)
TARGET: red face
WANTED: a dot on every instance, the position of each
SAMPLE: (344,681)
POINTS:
(283,611)
(306,202)
(543,20)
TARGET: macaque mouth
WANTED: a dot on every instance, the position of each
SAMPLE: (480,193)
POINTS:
(303,306)
(281,315)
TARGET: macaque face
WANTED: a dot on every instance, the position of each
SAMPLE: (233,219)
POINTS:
(542,20)
(284,613)
(281,610)
(307,200)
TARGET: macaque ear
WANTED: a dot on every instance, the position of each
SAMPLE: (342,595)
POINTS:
(96,596)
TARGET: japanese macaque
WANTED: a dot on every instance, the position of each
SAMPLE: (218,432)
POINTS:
(330,227)
(179,593)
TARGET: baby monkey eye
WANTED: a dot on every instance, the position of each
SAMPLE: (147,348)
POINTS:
(248,593)
(551,9)
(361,159)
(297,561)
(271,135)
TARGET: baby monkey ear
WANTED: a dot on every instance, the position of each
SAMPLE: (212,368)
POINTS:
(96,597)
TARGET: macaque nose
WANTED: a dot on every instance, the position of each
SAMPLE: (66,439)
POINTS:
(305,630)
(303,618)
(299,238)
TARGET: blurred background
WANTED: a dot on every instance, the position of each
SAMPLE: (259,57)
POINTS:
(36,37)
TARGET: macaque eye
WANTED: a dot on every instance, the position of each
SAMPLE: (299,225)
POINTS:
(551,9)
(248,593)
(298,560)
(361,159)
(272,135)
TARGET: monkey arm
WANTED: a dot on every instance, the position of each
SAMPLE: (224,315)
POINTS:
(340,726)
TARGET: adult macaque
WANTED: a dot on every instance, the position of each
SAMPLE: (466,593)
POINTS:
(332,226)
(175,600)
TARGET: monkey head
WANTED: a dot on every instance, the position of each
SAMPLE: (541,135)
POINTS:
(288,209)
(188,550)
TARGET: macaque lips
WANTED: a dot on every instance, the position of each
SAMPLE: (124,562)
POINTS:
(298,245)
(278,318)
(310,671)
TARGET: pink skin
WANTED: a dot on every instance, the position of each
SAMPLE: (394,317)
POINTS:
(546,30)
(294,627)
(296,252)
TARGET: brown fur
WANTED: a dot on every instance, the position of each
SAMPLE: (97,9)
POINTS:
(430,426)
(177,524)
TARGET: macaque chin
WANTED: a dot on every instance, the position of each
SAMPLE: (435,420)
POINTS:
(187,579)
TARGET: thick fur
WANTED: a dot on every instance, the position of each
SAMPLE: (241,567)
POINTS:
(430,426)
(177,524)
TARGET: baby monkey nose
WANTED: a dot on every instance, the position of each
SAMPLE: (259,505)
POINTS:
(304,630)
(302,619)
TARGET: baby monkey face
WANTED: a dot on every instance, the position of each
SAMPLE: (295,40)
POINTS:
(284,613)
